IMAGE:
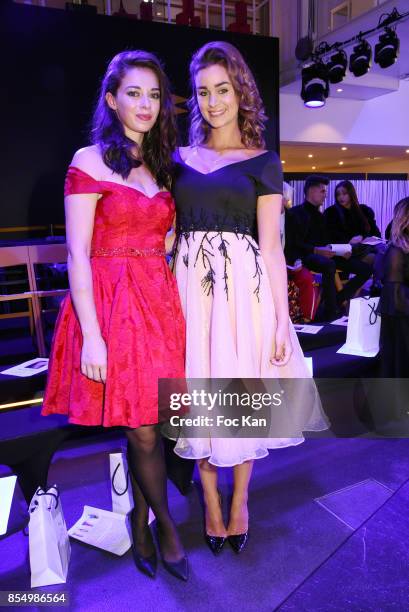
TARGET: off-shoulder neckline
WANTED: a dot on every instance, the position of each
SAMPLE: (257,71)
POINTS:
(241,161)
(122,185)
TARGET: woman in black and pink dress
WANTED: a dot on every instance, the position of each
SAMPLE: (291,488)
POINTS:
(231,271)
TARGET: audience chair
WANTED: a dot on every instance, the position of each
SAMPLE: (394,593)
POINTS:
(240,25)
(43,254)
(11,257)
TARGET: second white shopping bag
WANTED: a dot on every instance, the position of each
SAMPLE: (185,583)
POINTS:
(121,489)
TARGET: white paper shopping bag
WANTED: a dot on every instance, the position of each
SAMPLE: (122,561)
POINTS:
(364,327)
(7,486)
(49,544)
(121,490)
(103,529)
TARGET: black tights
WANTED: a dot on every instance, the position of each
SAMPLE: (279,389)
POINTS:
(149,486)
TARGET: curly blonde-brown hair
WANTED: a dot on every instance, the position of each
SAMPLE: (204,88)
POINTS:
(400,225)
(252,117)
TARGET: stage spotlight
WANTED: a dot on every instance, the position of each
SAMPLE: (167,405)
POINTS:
(315,86)
(336,67)
(360,60)
(387,49)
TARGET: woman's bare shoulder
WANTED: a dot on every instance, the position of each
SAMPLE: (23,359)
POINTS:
(89,159)
(185,152)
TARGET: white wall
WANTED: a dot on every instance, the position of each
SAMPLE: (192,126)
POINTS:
(379,121)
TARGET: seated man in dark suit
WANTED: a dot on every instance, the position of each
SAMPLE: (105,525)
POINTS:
(307,239)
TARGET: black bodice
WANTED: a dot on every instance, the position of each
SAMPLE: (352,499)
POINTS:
(224,199)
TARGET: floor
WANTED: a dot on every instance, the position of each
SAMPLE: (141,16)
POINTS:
(329,531)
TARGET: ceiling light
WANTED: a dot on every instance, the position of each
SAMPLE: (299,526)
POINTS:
(360,60)
(341,163)
(283,161)
(313,167)
(407,150)
(336,67)
(315,86)
(310,155)
(387,49)
(339,90)
(344,148)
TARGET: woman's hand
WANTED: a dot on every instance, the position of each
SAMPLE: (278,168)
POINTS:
(356,240)
(282,347)
(94,358)
(325,251)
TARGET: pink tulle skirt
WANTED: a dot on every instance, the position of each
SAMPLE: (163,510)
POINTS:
(230,325)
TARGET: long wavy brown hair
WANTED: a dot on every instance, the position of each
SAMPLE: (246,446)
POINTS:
(350,189)
(118,151)
(252,117)
(400,225)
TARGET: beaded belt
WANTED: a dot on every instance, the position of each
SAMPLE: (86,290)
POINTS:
(127,252)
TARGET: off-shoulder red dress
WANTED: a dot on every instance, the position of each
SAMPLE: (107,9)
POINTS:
(138,309)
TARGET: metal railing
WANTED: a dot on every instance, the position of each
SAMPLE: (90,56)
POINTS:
(215,14)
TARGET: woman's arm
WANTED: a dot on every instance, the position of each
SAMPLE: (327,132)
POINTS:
(79,215)
(170,237)
(268,221)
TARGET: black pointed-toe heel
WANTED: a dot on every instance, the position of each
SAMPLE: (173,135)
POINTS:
(179,569)
(215,543)
(238,542)
(147,565)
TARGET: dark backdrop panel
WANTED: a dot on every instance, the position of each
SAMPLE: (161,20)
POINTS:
(52,63)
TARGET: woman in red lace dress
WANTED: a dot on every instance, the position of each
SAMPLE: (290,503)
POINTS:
(121,328)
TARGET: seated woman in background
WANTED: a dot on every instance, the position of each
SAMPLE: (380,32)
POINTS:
(349,222)
(394,301)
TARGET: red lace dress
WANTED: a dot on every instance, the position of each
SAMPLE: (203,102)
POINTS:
(138,310)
